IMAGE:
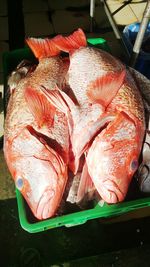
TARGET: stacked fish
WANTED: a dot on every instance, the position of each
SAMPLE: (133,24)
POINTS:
(79,112)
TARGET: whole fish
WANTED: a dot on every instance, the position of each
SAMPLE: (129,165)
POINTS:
(106,117)
(36,139)
(92,74)
(119,144)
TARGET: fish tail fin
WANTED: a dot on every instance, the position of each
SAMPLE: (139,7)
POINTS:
(42,48)
(52,47)
(69,43)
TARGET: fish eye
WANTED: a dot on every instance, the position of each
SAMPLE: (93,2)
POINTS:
(19,183)
(134,165)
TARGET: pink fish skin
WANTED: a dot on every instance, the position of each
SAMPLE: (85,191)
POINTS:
(113,156)
(39,172)
(108,122)
(92,75)
(95,78)
(36,138)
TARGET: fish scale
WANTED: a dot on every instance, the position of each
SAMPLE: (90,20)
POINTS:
(85,105)
(36,138)
(86,65)
(129,99)
(96,77)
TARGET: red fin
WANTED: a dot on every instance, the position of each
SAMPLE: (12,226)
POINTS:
(105,88)
(74,41)
(56,99)
(86,185)
(43,47)
(40,107)
(62,102)
(51,47)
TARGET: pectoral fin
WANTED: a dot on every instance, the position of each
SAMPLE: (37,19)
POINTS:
(86,185)
(62,102)
(40,107)
(105,88)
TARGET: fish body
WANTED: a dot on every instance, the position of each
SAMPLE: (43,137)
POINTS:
(108,121)
(88,65)
(89,68)
(36,139)
(118,146)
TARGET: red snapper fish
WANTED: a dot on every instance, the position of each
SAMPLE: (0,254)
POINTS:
(118,145)
(105,114)
(36,139)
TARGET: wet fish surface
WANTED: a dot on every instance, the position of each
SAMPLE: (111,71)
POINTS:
(85,107)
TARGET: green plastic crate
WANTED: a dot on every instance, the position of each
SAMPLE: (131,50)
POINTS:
(72,218)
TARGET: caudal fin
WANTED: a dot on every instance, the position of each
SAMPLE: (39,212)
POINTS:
(52,47)
(74,41)
(43,48)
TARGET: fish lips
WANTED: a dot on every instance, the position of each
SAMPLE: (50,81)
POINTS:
(45,209)
(111,192)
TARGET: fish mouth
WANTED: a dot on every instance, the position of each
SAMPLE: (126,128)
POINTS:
(111,192)
(44,209)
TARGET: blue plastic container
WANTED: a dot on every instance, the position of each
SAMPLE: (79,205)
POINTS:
(129,36)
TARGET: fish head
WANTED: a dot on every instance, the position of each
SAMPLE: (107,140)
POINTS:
(39,173)
(114,172)
(40,185)
(112,161)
